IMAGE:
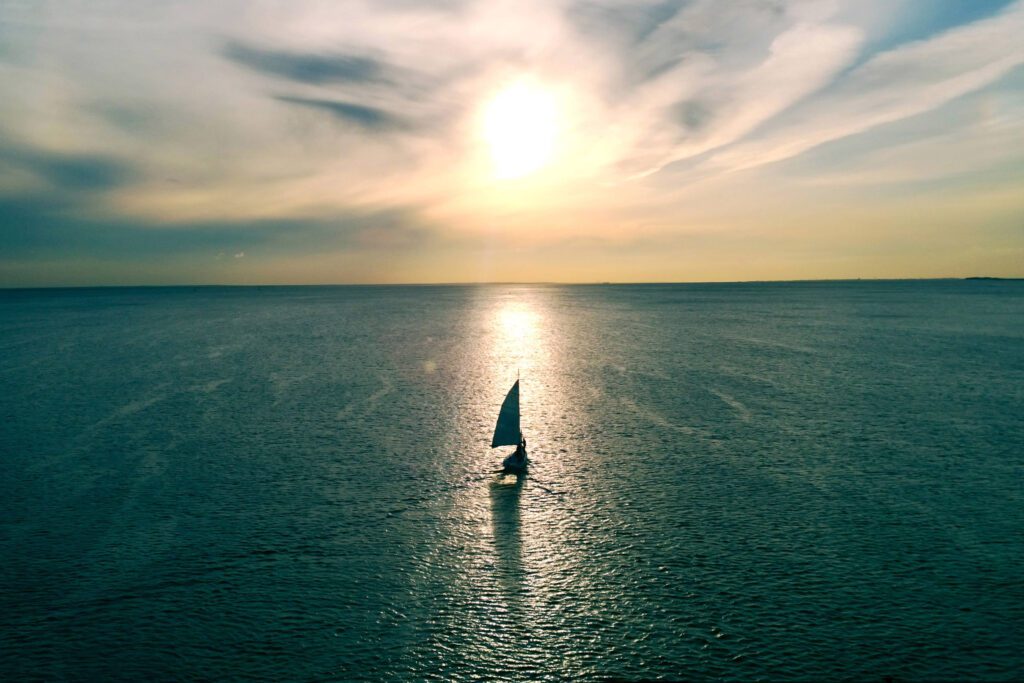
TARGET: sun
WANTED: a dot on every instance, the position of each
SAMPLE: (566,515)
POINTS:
(520,126)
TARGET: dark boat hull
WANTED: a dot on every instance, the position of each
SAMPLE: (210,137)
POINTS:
(515,464)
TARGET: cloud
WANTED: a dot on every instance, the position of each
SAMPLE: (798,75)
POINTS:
(35,228)
(800,61)
(67,171)
(362,115)
(925,151)
(621,24)
(697,76)
(891,86)
(316,69)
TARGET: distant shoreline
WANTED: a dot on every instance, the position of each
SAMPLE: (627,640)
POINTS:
(985,277)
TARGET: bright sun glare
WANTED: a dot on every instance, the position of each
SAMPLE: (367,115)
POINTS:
(520,125)
(517,323)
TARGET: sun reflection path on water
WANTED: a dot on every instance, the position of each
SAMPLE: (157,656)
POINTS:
(523,344)
(521,561)
(518,341)
(527,341)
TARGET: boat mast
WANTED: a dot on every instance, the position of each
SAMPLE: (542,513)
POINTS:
(520,410)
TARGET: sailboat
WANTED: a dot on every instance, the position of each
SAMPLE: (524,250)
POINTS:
(508,433)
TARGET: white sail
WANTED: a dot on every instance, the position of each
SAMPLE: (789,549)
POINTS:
(506,432)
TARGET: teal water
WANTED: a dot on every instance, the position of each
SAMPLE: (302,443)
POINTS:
(795,481)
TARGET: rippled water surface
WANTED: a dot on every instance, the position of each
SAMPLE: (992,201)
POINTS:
(765,481)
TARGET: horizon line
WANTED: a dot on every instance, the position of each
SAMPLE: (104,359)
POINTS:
(484,283)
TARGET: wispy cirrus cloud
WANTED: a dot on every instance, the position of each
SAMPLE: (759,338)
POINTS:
(894,85)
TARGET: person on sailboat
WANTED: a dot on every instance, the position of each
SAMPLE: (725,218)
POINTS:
(521,448)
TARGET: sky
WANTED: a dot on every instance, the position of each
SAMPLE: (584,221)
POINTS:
(407,141)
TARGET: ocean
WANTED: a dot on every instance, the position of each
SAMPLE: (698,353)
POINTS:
(766,481)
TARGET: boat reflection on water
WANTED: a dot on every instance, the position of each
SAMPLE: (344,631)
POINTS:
(506,491)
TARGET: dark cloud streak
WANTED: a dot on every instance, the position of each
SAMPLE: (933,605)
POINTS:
(69,172)
(36,228)
(362,115)
(309,68)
